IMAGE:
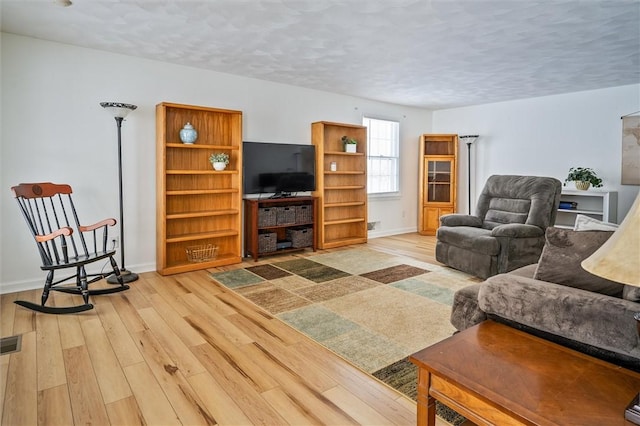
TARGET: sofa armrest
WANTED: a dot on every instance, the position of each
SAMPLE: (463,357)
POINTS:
(517,230)
(595,319)
(457,219)
(465,312)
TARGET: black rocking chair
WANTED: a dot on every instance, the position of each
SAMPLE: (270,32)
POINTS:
(49,211)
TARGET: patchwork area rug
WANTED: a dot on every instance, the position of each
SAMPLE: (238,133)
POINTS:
(372,308)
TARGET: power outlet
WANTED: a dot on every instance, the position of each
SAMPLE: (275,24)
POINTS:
(115,242)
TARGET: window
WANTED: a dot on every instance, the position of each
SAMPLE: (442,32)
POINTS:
(383,147)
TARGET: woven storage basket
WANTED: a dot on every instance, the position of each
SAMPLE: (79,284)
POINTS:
(286,215)
(267,217)
(304,214)
(267,242)
(301,237)
(202,253)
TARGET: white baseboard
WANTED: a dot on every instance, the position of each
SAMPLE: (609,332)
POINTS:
(390,232)
(37,283)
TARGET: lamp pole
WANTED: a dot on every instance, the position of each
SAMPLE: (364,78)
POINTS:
(120,111)
(469,139)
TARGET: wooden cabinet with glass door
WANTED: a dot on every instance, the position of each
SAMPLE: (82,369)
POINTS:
(198,209)
(437,174)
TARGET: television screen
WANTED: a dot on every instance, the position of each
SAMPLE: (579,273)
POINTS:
(278,168)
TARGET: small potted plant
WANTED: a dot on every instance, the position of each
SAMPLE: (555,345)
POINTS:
(583,177)
(350,144)
(219,160)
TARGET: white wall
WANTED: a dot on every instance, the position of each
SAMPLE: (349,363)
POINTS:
(545,136)
(53,129)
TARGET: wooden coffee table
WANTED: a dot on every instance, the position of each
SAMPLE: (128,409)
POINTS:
(495,374)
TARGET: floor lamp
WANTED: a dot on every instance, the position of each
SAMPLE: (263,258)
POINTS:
(120,111)
(469,140)
(617,260)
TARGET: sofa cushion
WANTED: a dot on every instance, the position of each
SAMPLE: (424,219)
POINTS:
(631,293)
(586,223)
(562,254)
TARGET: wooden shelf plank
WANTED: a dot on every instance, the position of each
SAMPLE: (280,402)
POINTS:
(344,172)
(345,187)
(202,172)
(347,204)
(203,192)
(339,242)
(220,260)
(202,214)
(355,154)
(200,146)
(288,225)
(202,235)
(342,221)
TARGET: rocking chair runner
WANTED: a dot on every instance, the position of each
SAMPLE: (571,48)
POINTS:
(52,219)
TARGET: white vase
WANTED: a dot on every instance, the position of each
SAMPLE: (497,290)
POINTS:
(219,166)
(188,134)
(350,147)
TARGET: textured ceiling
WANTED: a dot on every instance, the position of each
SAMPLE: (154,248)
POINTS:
(427,53)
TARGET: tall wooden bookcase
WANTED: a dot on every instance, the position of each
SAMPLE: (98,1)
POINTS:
(196,205)
(438,180)
(342,193)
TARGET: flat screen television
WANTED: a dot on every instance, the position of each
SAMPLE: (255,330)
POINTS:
(279,168)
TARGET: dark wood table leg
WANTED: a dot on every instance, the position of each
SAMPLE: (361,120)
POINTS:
(426,403)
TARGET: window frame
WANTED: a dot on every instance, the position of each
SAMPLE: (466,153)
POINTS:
(384,194)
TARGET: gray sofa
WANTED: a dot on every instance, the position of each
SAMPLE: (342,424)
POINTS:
(557,300)
(506,232)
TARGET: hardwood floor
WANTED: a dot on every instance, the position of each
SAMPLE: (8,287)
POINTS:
(181,349)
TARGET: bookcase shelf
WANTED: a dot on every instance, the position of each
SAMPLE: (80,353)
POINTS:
(600,205)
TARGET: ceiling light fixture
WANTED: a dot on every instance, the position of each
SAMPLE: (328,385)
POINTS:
(63,3)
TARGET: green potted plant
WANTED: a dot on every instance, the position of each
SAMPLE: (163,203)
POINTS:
(350,144)
(583,177)
(219,160)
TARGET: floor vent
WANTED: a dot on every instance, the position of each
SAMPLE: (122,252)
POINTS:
(10,344)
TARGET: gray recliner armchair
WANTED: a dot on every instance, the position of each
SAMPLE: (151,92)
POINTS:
(506,232)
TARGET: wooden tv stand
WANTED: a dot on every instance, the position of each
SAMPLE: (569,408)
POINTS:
(495,374)
(253,228)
